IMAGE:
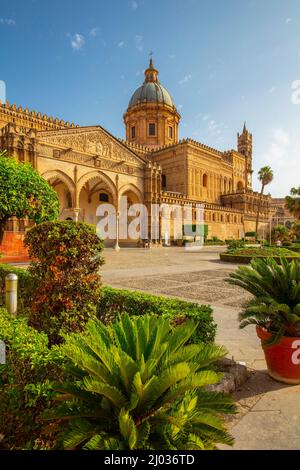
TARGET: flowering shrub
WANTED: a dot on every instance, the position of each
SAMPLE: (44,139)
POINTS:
(65,273)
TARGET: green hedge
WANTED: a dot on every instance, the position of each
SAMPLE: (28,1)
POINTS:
(244,259)
(214,242)
(250,234)
(24,284)
(115,301)
(26,382)
(295,248)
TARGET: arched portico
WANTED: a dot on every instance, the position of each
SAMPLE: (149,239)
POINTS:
(64,187)
(93,189)
(132,193)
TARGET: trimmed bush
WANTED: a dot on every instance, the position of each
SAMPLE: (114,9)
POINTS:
(115,301)
(235,244)
(245,255)
(214,241)
(65,274)
(26,382)
(250,234)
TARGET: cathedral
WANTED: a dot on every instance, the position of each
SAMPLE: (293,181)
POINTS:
(87,166)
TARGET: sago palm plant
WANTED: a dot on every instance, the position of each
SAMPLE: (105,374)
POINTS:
(139,385)
(276,290)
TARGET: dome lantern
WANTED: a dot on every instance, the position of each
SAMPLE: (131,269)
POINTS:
(151,74)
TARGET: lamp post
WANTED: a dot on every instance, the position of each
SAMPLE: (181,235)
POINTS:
(76,214)
(11,293)
(117,246)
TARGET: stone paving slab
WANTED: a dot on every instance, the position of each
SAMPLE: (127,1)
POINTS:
(147,283)
(197,276)
(201,294)
(273,423)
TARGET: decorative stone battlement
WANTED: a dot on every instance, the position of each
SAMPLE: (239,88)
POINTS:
(227,155)
(138,148)
(30,118)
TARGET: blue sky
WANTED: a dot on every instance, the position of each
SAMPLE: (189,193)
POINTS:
(223,61)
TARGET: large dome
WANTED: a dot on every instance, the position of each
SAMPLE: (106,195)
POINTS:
(151,91)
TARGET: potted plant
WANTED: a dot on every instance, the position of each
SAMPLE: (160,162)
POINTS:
(275,310)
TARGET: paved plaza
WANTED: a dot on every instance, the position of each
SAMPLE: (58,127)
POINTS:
(269,412)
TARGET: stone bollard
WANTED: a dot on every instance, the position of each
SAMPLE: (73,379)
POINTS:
(11,293)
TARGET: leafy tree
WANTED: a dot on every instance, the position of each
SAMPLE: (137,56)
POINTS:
(293,202)
(24,193)
(265,176)
(276,291)
(65,276)
(296,229)
(139,385)
(280,232)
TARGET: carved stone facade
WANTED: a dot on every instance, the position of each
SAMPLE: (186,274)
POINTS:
(88,166)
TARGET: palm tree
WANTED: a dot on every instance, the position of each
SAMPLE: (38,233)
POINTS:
(137,384)
(265,176)
(292,202)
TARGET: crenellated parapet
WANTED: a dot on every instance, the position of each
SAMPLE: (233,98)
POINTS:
(141,150)
(30,119)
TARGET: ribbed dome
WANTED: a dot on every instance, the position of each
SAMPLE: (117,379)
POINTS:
(151,91)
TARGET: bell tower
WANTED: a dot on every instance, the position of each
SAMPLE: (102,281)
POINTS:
(244,146)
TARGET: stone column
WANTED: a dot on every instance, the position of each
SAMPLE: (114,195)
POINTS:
(117,247)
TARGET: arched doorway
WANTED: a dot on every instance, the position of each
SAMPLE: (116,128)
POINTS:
(94,189)
(65,190)
(130,195)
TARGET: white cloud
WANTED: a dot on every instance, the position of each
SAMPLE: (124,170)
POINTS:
(139,42)
(77,41)
(8,21)
(94,31)
(272,89)
(172,56)
(134,5)
(278,147)
(288,20)
(205,118)
(281,151)
(185,79)
(121,44)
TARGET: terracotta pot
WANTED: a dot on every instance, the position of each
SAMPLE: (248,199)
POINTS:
(283,359)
